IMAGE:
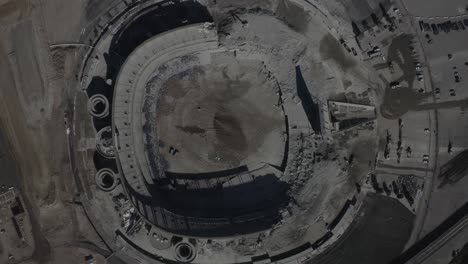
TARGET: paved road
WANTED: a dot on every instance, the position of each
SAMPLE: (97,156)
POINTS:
(429,179)
(449,235)
(375,236)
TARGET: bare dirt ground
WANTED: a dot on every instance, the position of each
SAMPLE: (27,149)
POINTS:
(212,126)
(32,98)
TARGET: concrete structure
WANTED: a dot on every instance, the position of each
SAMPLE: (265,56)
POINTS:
(345,115)
(345,111)
(98,106)
(140,170)
(104,142)
(224,155)
(106,180)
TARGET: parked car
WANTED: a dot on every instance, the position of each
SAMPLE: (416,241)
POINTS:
(435,30)
(419,76)
(395,85)
(426,159)
(446,26)
(421,26)
(437,93)
(418,66)
(460,24)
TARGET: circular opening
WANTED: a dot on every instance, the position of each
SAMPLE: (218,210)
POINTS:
(99,107)
(185,251)
(107,180)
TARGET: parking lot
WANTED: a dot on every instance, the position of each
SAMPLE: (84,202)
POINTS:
(446,59)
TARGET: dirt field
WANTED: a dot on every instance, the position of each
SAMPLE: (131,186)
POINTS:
(31,117)
(215,128)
